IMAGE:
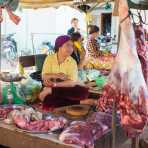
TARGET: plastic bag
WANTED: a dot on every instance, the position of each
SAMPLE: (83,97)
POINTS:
(10,94)
(29,89)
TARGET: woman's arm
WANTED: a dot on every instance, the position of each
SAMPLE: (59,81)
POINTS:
(68,83)
(47,78)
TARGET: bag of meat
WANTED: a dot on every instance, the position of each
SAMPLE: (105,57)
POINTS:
(78,133)
(126,82)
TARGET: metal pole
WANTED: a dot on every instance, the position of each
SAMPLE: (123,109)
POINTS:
(86,24)
(135,142)
(0,44)
(115,13)
(0,47)
(114,125)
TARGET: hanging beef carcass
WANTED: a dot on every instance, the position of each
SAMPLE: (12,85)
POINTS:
(126,82)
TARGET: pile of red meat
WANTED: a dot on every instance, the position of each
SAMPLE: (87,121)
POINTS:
(39,125)
(78,133)
(126,84)
(46,125)
(83,133)
(4,112)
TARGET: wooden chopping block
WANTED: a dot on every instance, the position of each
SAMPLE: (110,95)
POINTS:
(78,110)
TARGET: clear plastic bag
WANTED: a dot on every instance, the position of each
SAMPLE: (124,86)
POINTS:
(29,89)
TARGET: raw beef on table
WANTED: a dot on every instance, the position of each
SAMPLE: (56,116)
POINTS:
(24,122)
(100,124)
(78,133)
(84,133)
(126,83)
(4,112)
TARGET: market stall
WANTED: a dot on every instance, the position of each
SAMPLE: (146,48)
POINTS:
(82,125)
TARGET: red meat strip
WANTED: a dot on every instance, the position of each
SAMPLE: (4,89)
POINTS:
(142,49)
(40,125)
(19,120)
(4,112)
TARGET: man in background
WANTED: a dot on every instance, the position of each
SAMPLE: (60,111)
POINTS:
(74,26)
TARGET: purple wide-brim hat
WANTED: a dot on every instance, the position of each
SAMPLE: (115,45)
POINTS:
(61,40)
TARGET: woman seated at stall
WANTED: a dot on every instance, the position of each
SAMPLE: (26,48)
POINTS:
(59,76)
(79,51)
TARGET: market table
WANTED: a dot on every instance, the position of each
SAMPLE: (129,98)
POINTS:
(11,137)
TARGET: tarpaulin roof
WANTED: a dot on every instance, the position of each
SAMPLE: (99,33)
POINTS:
(48,3)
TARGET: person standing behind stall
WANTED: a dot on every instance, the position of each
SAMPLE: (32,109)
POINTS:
(79,51)
(92,45)
(74,26)
(60,75)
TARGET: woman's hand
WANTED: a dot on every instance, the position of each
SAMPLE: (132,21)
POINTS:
(46,91)
(69,83)
(48,83)
(61,76)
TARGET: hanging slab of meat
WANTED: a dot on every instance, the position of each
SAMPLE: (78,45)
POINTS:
(14,18)
(9,6)
(126,82)
(142,49)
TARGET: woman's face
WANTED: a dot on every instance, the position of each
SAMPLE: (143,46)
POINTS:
(96,34)
(75,24)
(67,48)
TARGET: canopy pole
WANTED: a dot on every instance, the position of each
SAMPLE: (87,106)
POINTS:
(114,125)
(135,142)
(86,13)
(0,49)
(115,13)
